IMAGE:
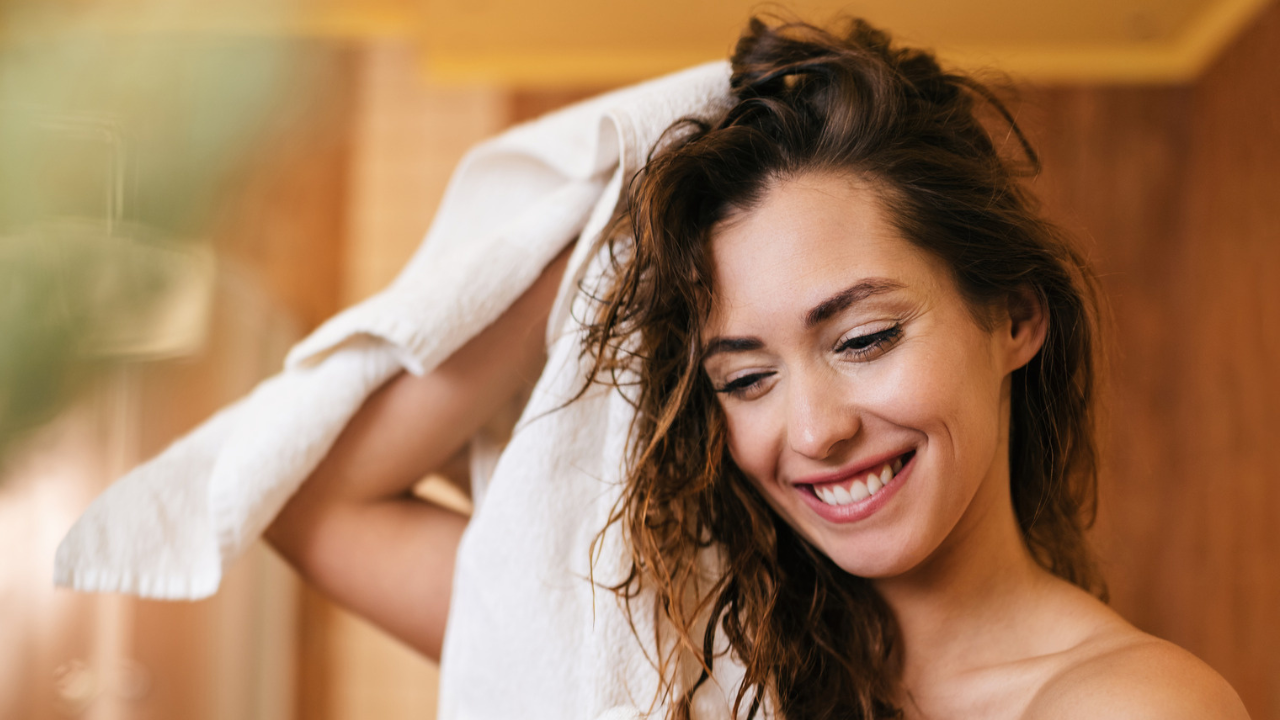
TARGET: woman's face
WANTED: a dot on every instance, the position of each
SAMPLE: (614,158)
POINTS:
(862,397)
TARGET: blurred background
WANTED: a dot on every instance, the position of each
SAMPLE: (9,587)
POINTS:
(187,188)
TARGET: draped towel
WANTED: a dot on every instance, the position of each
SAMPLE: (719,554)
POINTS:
(528,636)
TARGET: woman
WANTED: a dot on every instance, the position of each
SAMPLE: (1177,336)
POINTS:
(862,457)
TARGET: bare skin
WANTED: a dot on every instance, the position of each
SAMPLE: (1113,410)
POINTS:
(843,347)
(355,530)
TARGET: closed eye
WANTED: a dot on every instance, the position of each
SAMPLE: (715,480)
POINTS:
(858,347)
(862,346)
(739,387)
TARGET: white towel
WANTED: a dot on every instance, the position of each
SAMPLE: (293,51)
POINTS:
(527,635)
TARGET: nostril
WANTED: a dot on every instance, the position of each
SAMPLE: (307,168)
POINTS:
(820,428)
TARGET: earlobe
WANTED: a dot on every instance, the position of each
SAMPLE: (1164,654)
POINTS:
(1028,326)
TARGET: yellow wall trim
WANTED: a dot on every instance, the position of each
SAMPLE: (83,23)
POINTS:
(455,47)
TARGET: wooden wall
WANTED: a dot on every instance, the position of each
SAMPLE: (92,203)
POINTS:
(1224,573)
(1175,192)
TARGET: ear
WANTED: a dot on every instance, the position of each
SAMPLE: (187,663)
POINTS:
(1028,325)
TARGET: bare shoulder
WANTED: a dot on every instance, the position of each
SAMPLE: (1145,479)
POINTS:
(1128,674)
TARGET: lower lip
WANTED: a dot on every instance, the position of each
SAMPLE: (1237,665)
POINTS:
(855,511)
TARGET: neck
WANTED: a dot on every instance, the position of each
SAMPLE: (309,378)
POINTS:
(965,606)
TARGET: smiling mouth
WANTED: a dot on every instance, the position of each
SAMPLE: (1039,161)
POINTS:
(853,490)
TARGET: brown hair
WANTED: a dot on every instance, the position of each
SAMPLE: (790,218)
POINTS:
(815,641)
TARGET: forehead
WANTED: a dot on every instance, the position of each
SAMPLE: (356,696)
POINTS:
(809,237)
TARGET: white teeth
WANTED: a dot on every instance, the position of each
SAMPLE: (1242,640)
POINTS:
(842,496)
(858,491)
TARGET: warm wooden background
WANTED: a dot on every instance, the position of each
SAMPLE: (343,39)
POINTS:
(1173,191)
(1176,193)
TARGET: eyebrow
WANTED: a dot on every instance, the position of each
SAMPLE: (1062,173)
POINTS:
(850,295)
(731,344)
(818,314)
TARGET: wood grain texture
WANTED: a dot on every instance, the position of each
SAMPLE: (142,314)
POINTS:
(1175,194)
(1223,576)
(1113,166)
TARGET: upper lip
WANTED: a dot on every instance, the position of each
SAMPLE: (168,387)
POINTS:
(852,470)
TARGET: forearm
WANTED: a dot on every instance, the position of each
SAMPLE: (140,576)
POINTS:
(390,562)
(355,530)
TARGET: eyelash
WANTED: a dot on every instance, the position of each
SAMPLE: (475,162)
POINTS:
(870,342)
(860,346)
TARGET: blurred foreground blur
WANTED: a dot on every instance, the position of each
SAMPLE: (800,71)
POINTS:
(130,152)
(120,146)
(186,189)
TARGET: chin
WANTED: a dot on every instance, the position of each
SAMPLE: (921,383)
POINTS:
(877,559)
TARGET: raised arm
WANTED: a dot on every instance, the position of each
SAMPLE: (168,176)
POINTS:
(355,530)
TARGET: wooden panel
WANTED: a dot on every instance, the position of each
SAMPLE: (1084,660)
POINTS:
(529,104)
(1113,162)
(1174,191)
(1224,574)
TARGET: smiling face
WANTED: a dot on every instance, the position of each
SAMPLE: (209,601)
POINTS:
(861,395)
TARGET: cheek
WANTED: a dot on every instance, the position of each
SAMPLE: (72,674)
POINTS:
(756,446)
(948,395)
(751,446)
(951,395)
(920,388)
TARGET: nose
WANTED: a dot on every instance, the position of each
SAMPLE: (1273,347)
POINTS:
(819,419)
